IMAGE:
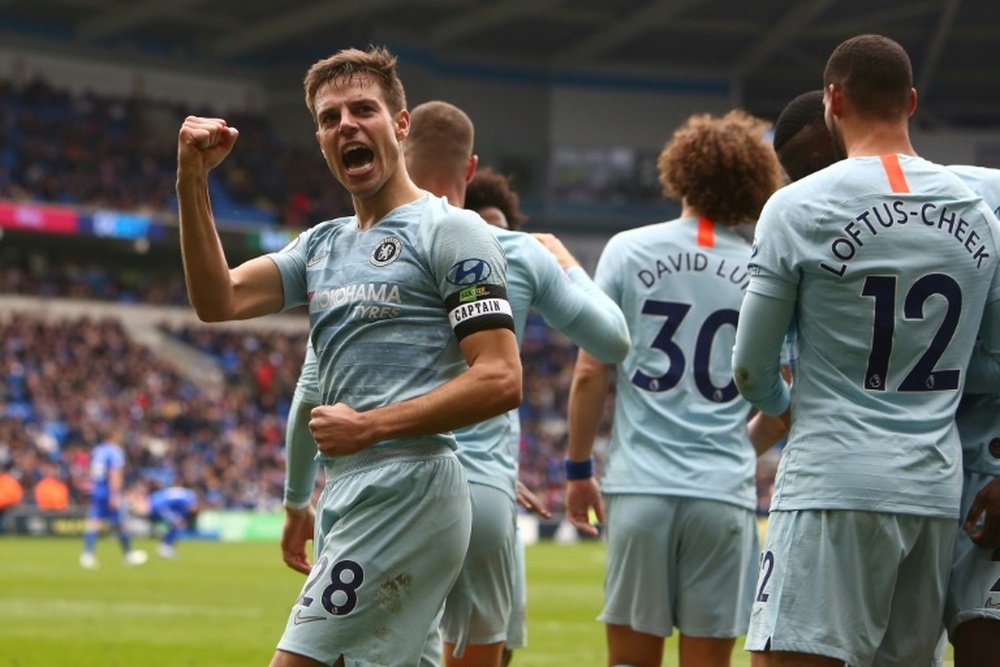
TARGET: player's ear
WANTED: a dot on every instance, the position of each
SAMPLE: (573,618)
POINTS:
(470,168)
(834,99)
(402,123)
(911,103)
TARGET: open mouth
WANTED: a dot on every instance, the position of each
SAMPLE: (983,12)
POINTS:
(357,159)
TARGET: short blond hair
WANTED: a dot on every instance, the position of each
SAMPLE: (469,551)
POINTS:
(441,135)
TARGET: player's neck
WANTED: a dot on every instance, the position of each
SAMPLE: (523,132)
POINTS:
(397,191)
(441,186)
(869,138)
(688,211)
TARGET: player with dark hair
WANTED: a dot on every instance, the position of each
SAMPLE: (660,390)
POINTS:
(476,616)
(489,194)
(888,301)
(971,614)
(679,479)
(801,139)
(413,336)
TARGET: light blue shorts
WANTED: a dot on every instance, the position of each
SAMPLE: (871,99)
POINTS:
(863,587)
(478,607)
(392,528)
(974,589)
(517,627)
(679,562)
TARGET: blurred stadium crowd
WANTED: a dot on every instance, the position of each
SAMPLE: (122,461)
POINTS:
(97,150)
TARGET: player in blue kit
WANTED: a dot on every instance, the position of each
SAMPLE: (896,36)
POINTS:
(107,478)
(175,507)
(679,478)
(887,263)
(413,337)
(804,145)
(545,277)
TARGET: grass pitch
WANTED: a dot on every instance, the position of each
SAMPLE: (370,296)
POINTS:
(225,605)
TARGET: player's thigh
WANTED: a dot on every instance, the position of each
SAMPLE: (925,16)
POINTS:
(517,626)
(478,607)
(914,626)
(394,539)
(717,567)
(640,582)
(826,582)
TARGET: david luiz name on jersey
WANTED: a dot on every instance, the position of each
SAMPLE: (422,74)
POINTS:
(695,262)
(892,215)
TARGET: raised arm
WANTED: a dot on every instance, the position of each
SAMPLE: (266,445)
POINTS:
(216,292)
(579,309)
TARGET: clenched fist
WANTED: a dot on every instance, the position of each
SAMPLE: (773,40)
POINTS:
(339,429)
(203,143)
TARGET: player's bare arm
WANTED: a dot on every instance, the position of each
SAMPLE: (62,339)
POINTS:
(586,405)
(527,499)
(982,523)
(298,530)
(491,386)
(766,430)
(216,292)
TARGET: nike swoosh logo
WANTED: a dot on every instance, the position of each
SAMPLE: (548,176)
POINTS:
(299,619)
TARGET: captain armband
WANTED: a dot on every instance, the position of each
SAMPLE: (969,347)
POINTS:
(478,308)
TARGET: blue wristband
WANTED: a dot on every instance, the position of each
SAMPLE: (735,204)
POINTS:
(579,469)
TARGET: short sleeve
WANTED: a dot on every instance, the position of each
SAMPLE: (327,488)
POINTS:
(291,262)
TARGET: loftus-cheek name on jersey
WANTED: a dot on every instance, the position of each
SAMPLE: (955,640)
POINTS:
(367,301)
(695,262)
(889,215)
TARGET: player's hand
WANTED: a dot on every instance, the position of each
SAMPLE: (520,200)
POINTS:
(203,143)
(339,429)
(582,495)
(298,530)
(558,250)
(529,501)
(987,504)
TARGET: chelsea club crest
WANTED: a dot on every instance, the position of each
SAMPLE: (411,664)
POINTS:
(386,251)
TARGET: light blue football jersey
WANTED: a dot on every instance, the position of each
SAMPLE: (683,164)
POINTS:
(891,262)
(984,181)
(570,303)
(978,417)
(679,423)
(308,384)
(380,326)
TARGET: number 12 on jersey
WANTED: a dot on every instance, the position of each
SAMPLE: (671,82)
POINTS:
(922,377)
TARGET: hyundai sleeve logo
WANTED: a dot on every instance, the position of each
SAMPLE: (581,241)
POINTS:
(469,272)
